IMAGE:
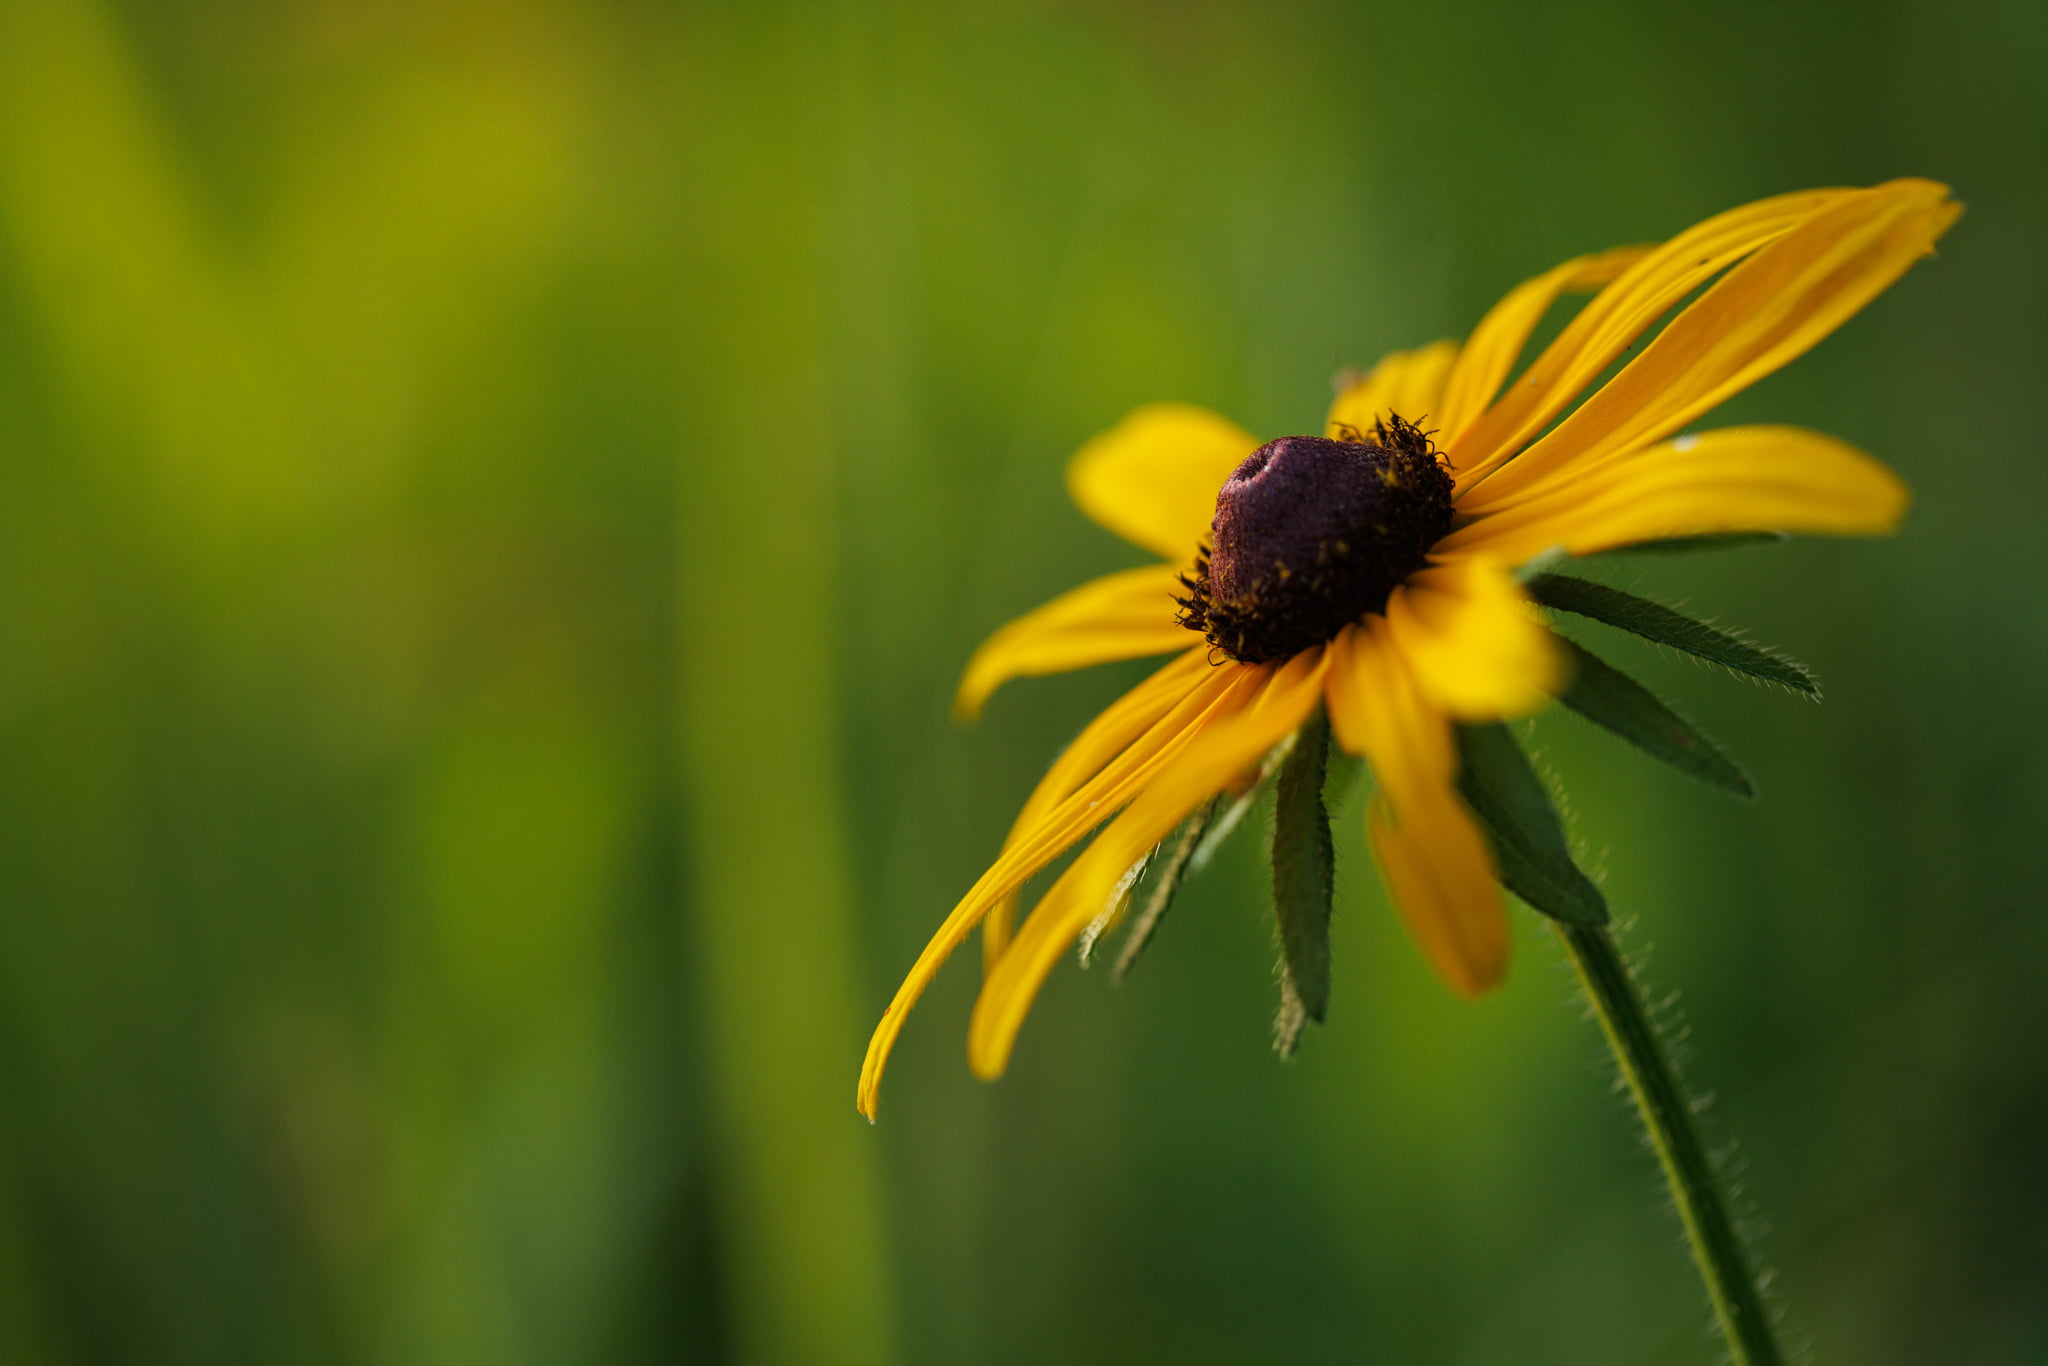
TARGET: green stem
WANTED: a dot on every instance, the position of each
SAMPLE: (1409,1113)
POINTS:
(1668,1115)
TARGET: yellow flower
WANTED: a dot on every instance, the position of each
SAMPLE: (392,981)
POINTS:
(1372,570)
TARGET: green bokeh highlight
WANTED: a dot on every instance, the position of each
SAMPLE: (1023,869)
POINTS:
(493,500)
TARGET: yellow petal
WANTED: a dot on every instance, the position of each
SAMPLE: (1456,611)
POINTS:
(1410,383)
(1074,816)
(1494,346)
(1607,325)
(1230,743)
(1473,641)
(1102,740)
(1127,615)
(1436,864)
(1374,706)
(1153,478)
(1734,479)
(1439,873)
(1771,308)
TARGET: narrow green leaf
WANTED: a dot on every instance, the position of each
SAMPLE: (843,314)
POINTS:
(1604,694)
(1687,545)
(1164,886)
(1667,626)
(1229,815)
(1503,791)
(1541,563)
(1113,911)
(1303,867)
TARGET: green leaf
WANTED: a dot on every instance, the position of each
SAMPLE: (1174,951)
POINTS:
(1304,865)
(1164,885)
(1227,817)
(1503,791)
(1687,545)
(1604,694)
(1666,626)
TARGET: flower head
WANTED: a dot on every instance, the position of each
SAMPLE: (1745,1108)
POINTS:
(1371,571)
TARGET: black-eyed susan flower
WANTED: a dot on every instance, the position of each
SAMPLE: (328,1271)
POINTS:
(1384,576)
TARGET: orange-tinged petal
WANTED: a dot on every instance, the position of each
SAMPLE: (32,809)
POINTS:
(1436,864)
(1410,383)
(1230,743)
(1439,873)
(1496,344)
(1473,641)
(1101,741)
(1623,311)
(1734,479)
(1374,707)
(1773,307)
(1073,817)
(1127,615)
(1153,478)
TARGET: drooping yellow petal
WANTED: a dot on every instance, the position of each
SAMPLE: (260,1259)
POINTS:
(1494,346)
(1410,383)
(1611,321)
(1473,641)
(1087,806)
(1126,615)
(1439,873)
(1773,307)
(1436,864)
(1153,478)
(1374,707)
(1103,739)
(1231,742)
(1734,479)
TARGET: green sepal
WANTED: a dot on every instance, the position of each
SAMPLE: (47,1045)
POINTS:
(1228,816)
(1529,850)
(1688,545)
(1164,884)
(1200,836)
(1304,865)
(1666,626)
(1605,695)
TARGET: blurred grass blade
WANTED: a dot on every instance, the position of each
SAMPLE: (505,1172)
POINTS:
(1497,782)
(1667,626)
(1303,868)
(1604,694)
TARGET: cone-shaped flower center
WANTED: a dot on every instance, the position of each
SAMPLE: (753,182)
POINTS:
(1312,534)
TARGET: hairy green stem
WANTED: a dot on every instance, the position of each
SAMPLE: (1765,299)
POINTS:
(1668,1116)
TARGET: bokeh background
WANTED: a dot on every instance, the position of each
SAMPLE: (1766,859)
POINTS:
(494,498)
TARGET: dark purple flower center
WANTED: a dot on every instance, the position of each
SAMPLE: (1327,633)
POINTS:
(1311,534)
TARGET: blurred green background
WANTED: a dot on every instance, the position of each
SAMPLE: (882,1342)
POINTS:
(493,501)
